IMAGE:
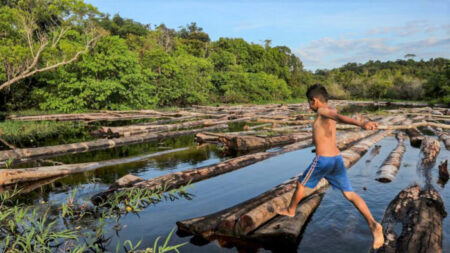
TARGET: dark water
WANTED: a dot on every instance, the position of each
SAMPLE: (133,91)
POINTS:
(336,226)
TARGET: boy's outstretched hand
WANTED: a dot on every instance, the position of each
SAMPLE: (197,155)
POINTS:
(370,125)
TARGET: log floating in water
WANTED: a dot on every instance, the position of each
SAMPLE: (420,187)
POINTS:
(445,137)
(26,154)
(430,149)
(419,213)
(139,129)
(13,176)
(443,173)
(248,143)
(415,137)
(290,122)
(388,170)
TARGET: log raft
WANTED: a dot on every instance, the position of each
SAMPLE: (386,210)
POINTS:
(388,170)
(419,214)
(28,154)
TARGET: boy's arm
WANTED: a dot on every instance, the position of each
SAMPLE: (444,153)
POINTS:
(332,114)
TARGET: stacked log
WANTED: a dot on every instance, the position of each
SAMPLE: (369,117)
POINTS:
(419,214)
(243,219)
(388,170)
(27,154)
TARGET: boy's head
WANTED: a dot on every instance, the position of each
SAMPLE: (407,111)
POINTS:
(317,95)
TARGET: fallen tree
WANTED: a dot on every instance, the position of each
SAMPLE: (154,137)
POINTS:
(419,214)
(415,137)
(27,154)
(388,170)
(248,143)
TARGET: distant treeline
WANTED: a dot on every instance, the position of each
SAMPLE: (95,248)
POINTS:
(128,65)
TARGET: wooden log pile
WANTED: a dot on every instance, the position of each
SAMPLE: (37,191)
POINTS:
(388,170)
(419,214)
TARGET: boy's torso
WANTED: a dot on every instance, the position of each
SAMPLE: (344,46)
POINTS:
(324,135)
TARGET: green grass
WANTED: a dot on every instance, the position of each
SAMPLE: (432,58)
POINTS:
(40,133)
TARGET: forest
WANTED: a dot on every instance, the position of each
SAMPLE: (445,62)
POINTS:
(66,56)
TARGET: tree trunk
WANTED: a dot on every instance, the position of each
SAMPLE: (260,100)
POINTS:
(445,137)
(248,143)
(27,154)
(419,213)
(388,170)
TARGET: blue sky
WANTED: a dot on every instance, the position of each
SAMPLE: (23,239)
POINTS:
(324,34)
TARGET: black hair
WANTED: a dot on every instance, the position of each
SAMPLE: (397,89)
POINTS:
(317,91)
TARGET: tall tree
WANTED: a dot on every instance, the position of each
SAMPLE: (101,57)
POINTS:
(40,35)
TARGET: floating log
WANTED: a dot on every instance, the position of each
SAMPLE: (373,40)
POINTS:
(445,137)
(248,143)
(284,230)
(103,116)
(240,220)
(443,172)
(415,137)
(13,176)
(290,122)
(388,170)
(414,125)
(139,129)
(27,154)
(419,214)
(430,149)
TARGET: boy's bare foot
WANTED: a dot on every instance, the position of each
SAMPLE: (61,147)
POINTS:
(284,212)
(378,237)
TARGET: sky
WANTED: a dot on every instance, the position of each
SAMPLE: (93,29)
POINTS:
(324,34)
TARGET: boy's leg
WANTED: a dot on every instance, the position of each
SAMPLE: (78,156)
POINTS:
(296,197)
(375,227)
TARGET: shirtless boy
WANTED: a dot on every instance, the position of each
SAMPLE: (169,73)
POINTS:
(328,162)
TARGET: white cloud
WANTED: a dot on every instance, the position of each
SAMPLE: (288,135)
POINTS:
(333,52)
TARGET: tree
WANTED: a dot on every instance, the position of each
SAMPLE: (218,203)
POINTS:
(40,35)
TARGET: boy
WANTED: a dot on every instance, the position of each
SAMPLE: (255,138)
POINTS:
(328,162)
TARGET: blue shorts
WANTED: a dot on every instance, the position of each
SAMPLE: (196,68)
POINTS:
(331,168)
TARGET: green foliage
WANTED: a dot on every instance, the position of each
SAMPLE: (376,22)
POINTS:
(108,78)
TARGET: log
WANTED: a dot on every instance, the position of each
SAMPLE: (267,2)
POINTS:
(140,129)
(103,116)
(415,137)
(248,143)
(13,176)
(27,154)
(388,170)
(445,137)
(443,173)
(419,214)
(414,125)
(225,220)
(284,230)
(430,149)
(290,122)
